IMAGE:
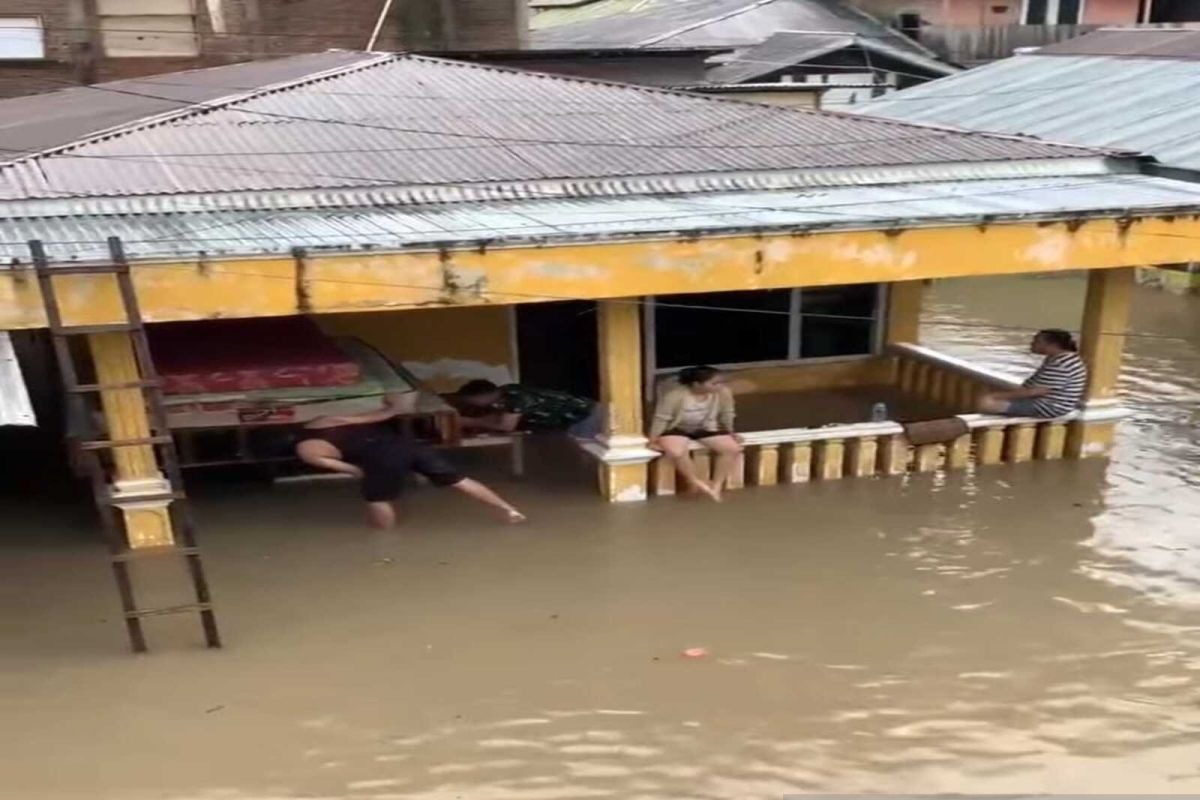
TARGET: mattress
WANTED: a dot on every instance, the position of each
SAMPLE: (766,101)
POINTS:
(304,404)
(247,355)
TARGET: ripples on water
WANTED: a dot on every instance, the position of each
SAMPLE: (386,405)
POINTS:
(1019,629)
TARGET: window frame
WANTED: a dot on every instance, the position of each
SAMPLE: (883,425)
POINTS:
(41,28)
(1052,8)
(113,16)
(795,318)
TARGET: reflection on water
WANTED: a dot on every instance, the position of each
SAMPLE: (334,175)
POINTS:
(1013,630)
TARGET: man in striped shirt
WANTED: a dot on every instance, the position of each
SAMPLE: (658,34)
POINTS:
(1055,389)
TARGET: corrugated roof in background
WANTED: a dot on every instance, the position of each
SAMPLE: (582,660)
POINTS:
(383,227)
(410,120)
(1177,43)
(45,121)
(682,23)
(1148,105)
(792,48)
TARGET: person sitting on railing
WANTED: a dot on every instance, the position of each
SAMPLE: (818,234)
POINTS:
(699,409)
(1055,389)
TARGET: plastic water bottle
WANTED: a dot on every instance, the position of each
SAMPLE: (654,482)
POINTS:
(879,412)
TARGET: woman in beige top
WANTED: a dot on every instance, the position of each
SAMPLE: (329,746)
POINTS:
(700,409)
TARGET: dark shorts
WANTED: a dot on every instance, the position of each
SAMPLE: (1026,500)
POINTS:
(695,436)
(1022,407)
(387,464)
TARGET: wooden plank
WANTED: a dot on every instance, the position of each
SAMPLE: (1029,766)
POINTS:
(862,456)
(989,445)
(762,465)
(1018,443)
(893,455)
(830,459)
(929,458)
(958,453)
(796,462)
(1051,441)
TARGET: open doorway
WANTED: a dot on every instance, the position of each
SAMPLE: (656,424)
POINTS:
(557,346)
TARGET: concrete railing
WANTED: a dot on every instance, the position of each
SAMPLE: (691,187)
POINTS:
(798,455)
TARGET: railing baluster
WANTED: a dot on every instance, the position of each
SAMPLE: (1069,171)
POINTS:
(1051,441)
(929,457)
(958,453)
(862,457)
(1018,446)
(762,465)
(893,455)
(796,462)
(663,477)
(989,445)
(831,455)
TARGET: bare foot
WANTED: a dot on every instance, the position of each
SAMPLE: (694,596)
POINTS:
(515,517)
(708,491)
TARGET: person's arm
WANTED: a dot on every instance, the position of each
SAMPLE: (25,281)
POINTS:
(1023,393)
(502,422)
(664,412)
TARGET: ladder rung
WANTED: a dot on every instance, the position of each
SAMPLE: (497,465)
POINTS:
(148,498)
(86,269)
(86,388)
(155,552)
(106,444)
(159,612)
(79,330)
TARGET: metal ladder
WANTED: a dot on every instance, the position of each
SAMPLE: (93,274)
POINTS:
(183,529)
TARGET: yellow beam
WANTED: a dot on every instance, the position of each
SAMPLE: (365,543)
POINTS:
(202,289)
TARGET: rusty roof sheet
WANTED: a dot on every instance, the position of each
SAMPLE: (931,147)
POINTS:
(1143,104)
(45,121)
(406,120)
(1175,43)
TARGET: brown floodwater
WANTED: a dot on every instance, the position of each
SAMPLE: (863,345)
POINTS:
(1019,629)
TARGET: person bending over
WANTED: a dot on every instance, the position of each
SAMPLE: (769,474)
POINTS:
(488,408)
(368,447)
(1055,389)
(699,409)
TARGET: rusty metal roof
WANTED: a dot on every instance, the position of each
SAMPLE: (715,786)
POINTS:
(1144,104)
(45,121)
(406,120)
(1174,43)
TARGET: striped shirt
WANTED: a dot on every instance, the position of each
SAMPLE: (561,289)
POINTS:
(1065,375)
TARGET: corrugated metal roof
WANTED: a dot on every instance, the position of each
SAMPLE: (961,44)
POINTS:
(683,23)
(1178,43)
(410,120)
(15,408)
(391,227)
(1148,105)
(45,121)
(791,48)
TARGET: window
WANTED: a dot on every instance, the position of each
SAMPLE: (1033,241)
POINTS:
(21,38)
(1052,12)
(147,28)
(776,325)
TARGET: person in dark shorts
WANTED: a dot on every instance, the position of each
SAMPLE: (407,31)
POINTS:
(700,409)
(1057,387)
(488,408)
(368,447)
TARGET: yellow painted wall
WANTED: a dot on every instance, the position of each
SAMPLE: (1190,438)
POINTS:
(381,281)
(443,346)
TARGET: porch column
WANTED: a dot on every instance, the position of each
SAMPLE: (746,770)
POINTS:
(625,458)
(903,320)
(1102,342)
(136,472)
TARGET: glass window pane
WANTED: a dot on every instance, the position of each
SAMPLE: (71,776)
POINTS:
(721,328)
(837,320)
(21,37)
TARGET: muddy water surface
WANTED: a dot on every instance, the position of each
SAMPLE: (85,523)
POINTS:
(1016,630)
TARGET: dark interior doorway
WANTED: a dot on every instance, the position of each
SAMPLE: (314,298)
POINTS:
(556,346)
(1175,11)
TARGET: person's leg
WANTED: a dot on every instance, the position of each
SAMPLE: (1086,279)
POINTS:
(474,489)
(726,449)
(677,448)
(990,404)
(381,514)
(441,473)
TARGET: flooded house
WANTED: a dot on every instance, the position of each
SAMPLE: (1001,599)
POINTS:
(460,221)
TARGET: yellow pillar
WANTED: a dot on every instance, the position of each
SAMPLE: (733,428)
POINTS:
(136,472)
(1102,342)
(625,461)
(904,312)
